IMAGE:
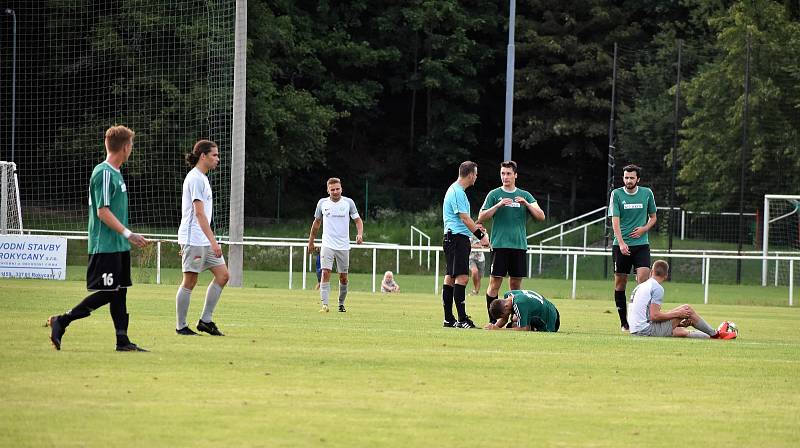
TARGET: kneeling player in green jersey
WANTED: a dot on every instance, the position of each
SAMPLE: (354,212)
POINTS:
(527,310)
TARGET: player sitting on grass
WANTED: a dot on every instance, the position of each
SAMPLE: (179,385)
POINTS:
(646,318)
(527,310)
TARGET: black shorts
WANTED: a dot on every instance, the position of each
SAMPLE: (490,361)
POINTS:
(511,262)
(639,258)
(109,271)
(456,254)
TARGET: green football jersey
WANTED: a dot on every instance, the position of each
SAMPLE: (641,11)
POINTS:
(107,189)
(534,310)
(633,211)
(508,222)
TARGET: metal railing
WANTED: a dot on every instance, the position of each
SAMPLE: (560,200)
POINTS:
(421,235)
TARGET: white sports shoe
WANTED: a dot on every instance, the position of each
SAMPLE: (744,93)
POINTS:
(324,309)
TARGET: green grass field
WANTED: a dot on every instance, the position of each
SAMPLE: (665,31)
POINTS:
(386,374)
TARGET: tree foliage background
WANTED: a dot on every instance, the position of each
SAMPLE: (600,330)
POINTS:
(392,95)
(416,87)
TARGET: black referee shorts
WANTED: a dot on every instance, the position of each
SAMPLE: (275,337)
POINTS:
(108,271)
(456,254)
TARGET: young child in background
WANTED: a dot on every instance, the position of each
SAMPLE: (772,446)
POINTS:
(388,285)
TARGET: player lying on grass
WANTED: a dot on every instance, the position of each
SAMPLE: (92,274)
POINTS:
(647,319)
(527,310)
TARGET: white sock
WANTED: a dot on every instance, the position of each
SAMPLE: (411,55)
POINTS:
(182,299)
(704,327)
(212,297)
(342,293)
(698,335)
(324,292)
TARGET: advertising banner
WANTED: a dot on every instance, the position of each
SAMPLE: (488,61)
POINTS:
(33,256)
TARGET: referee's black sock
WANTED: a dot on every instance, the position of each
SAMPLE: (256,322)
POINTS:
(87,305)
(619,298)
(489,300)
(447,303)
(459,297)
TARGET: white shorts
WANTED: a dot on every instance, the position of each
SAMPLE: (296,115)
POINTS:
(199,258)
(661,328)
(328,255)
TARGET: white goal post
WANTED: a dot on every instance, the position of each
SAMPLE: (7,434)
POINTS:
(10,209)
(768,219)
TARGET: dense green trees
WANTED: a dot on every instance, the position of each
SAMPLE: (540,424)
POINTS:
(711,150)
(400,92)
(391,95)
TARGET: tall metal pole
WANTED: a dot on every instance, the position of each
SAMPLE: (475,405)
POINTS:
(745,121)
(236,251)
(13,79)
(672,214)
(512,12)
(611,163)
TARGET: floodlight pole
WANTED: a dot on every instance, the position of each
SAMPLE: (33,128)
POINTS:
(236,250)
(512,12)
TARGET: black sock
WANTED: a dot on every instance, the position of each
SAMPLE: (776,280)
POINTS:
(87,305)
(489,300)
(619,299)
(447,303)
(122,333)
(119,314)
(459,297)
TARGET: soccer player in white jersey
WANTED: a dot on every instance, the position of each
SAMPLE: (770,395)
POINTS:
(199,247)
(647,319)
(335,213)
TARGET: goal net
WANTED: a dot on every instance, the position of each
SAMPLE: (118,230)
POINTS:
(10,210)
(164,69)
(780,235)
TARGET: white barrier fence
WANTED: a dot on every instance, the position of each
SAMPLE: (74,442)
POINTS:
(571,255)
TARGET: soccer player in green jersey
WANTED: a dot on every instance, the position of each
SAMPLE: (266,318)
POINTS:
(527,310)
(633,213)
(109,272)
(508,207)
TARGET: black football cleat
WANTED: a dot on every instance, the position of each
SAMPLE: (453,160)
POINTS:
(466,323)
(209,327)
(130,347)
(449,323)
(186,331)
(56,331)
(341,309)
